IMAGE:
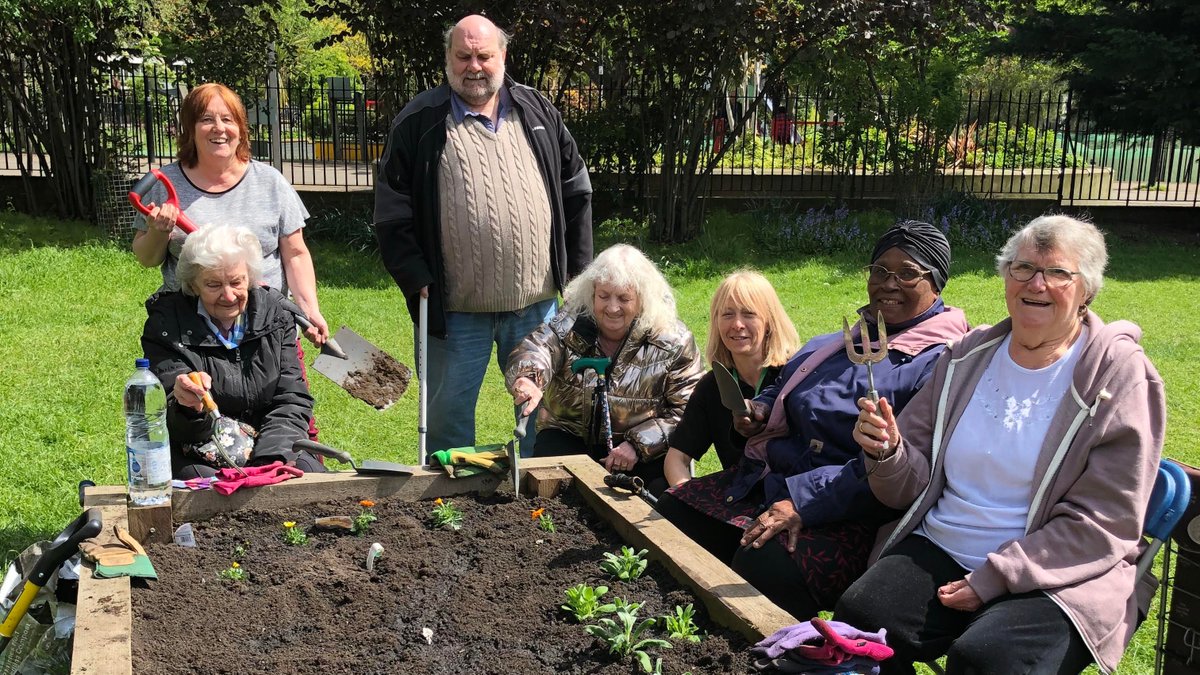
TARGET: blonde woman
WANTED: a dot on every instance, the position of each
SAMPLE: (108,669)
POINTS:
(750,334)
(619,307)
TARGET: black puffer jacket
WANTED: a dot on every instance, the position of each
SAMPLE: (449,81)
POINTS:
(258,382)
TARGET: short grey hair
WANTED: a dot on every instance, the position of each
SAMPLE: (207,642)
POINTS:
(218,247)
(1065,234)
(502,36)
(624,266)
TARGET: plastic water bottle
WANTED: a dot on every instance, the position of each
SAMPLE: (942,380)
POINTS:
(147,448)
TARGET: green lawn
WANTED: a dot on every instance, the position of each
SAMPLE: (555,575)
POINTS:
(71,314)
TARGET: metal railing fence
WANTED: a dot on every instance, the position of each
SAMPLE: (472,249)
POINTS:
(330,134)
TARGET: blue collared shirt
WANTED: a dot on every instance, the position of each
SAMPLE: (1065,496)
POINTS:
(236,333)
(459,110)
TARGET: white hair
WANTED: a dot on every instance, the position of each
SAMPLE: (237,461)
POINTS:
(623,266)
(217,247)
(1066,235)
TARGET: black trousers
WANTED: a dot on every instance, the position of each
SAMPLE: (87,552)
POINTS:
(717,537)
(1023,633)
(556,443)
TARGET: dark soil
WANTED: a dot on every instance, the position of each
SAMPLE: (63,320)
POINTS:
(381,384)
(490,593)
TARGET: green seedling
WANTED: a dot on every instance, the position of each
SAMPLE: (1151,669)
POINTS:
(239,551)
(620,605)
(362,521)
(546,523)
(583,602)
(627,566)
(680,625)
(622,635)
(292,535)
(446,515)
(235,572)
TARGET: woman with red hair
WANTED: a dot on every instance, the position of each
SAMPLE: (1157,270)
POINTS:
(218,183)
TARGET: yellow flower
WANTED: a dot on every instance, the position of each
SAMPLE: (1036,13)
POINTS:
(366,503)
(289,524)
(438,501)
(536,513)
(234,565)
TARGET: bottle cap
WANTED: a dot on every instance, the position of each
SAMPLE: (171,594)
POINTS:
(142,363)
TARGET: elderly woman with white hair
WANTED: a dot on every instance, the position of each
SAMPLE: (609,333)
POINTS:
(239,338)
(1025,465)
(620,308)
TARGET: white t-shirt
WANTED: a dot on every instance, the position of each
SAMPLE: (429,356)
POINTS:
(992,453)
(263,201)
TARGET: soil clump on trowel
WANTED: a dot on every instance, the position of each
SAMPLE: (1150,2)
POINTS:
(381,384)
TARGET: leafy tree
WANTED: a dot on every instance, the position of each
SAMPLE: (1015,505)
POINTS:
(1133,65)
(50,75)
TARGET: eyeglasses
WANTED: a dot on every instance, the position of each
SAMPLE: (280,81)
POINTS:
(905,276)
(1054,276)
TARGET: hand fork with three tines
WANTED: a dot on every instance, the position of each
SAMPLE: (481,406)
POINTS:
(868,356)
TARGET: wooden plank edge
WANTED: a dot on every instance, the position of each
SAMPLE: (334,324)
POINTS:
(730,599)
(104,631)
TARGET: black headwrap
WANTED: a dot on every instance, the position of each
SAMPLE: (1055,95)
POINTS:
(924,243)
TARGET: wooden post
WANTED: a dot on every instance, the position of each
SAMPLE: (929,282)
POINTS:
(151,524)
(546,482)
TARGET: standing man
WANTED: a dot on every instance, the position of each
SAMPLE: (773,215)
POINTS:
(483,205)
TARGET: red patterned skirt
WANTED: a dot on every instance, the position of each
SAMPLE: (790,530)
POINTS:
(829,558)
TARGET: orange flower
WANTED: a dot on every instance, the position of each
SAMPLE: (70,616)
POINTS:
(366,503)
(438,501)
(536,513)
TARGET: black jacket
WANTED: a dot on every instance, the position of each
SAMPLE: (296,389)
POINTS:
(258,382)
(407,221)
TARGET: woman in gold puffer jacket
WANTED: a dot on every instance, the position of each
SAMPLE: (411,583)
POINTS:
(620,308)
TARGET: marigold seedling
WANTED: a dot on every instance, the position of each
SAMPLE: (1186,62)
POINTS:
(583,602)
(292,535)
(544,521)
(362,521)
(627,566)
(446,515)
(235,572)
(239,551)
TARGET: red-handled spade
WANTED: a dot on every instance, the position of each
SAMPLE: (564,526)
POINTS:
(142,188)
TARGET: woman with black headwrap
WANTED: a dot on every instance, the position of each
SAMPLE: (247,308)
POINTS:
(795,517)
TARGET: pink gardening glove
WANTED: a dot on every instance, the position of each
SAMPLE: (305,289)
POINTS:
(230,480)
(857,644)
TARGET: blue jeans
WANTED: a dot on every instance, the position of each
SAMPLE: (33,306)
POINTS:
(458,364)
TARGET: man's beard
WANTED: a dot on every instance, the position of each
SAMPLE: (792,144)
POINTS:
(475,92)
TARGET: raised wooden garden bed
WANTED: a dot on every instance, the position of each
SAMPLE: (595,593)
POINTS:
(104,640)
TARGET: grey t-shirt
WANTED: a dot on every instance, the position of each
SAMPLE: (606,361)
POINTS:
(263,201)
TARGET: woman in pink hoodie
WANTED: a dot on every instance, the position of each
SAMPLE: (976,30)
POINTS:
(1025,463)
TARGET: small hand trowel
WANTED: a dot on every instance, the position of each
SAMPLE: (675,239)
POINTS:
(228,436)
(731,393)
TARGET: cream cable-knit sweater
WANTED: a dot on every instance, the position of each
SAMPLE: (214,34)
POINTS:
(495,219)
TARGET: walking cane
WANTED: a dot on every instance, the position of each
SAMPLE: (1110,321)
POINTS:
(422,372)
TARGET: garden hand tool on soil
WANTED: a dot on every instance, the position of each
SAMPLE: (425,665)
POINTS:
(365,371)
(369,467)
(731,393)
(228,437)
(869,356)
(118,555)
(634,484)
(88,524)
(142,188)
